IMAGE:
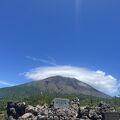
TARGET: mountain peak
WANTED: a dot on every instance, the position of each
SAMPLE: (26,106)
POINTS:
(54,84)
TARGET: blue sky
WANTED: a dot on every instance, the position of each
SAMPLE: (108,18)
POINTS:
(82,33)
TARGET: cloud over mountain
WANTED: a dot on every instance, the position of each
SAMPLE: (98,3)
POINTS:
(97,79)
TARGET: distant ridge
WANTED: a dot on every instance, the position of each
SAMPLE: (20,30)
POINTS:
(51,85)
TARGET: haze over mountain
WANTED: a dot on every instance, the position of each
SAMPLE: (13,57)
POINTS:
(51,85)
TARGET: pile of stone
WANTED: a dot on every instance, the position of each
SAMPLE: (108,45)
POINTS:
(21,111)
(95,113)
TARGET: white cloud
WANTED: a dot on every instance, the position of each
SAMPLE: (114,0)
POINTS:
(97,79)
(3,83)
(50,61)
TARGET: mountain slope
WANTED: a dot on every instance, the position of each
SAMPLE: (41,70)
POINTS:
(51,85)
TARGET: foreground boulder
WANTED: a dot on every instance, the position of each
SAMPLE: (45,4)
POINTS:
(15,109)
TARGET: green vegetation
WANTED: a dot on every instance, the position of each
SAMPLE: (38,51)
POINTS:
(47,98)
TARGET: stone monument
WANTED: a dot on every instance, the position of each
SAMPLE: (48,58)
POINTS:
(61,103)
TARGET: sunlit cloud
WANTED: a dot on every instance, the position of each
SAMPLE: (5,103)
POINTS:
(97,79)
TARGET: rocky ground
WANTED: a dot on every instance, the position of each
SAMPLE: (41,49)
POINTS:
(21,111)
(2,117)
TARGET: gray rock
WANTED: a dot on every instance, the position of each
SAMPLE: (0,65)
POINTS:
(56,118)
(51,118)
(27,115)
(40,117)
(31,109)
(11,118)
